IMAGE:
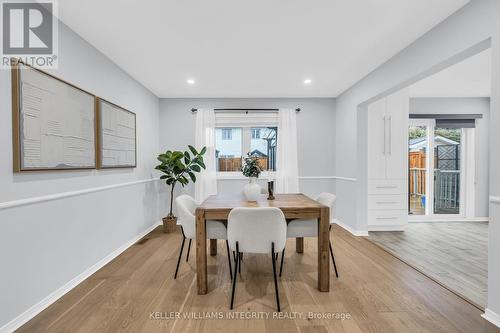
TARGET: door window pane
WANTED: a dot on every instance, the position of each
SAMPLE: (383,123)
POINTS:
(228,146)
(447,149)
(263,145)
(417,161)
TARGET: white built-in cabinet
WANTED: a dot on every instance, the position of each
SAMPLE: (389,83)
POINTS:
(388,162)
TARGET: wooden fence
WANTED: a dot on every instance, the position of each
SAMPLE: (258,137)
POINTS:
(417,160)
(234,163)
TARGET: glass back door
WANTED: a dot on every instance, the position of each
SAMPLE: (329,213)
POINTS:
(435,172)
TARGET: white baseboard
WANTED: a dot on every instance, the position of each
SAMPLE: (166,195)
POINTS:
(54,296)
(448,219)
(386,228)
(355,232)
(492,317)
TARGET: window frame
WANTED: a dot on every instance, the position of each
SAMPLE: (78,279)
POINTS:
(227,130)
(246,145)
(256,131)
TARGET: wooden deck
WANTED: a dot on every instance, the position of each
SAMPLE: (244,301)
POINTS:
(416,206)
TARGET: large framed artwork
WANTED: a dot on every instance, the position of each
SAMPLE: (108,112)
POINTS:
(54,122)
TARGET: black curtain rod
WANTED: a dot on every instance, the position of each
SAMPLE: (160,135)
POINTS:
(194,110)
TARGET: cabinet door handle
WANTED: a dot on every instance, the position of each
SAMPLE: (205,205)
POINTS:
(386,218)
(385,133)
(392,186)
(386,202)
(390,135)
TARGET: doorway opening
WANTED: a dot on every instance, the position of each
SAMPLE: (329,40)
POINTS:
(448,179)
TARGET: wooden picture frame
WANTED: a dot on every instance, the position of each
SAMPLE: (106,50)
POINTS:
(17,122)
(101,142)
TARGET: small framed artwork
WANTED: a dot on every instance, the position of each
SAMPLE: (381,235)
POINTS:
(116,138)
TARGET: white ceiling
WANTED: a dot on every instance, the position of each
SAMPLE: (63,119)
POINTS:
(256,48)
(469,78)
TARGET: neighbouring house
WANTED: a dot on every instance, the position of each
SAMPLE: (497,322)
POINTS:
(417,144)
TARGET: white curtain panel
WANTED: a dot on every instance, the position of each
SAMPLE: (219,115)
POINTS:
(287,169)
(206,180)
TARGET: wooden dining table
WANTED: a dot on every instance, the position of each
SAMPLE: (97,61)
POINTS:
(293,206)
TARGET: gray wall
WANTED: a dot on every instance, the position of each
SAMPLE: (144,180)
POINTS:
(315,131)
(464,33)
(45,245)
(467,106)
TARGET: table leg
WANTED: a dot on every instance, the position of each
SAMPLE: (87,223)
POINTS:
(299,244)
(323,248)
(201,252)
(213,247)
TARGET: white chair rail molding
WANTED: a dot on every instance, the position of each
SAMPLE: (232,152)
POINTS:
(249,166)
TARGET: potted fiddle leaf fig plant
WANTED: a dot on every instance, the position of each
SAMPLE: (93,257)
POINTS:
(252,170)
(179,167)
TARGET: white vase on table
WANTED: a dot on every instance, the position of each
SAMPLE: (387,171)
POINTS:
(252,189)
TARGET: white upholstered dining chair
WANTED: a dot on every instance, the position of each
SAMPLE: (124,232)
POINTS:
(186,207)
(256,230)
(309,227)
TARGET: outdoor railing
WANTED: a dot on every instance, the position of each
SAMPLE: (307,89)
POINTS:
(447,190)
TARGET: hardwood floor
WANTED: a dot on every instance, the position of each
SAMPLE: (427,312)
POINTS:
(454,254)
(375,292)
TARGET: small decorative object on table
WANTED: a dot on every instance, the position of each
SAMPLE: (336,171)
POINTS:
(252,170)
(177,166)
(270,185)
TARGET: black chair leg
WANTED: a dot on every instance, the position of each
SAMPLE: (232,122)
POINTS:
(331,253)
(229,260)
(282,259)
(275,278)
(333,259)
(180,256)
(240,258)
(189,250)
(234,277)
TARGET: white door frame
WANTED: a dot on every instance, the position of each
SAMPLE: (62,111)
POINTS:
(428,123)
(467,179)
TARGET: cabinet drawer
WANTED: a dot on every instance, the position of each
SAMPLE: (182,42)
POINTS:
(387,186)
(385,202)
(387,217)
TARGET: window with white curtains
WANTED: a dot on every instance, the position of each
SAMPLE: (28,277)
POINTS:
(253,132)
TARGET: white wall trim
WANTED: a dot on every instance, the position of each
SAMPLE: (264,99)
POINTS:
(495,200)
(57,196)
(351,230)
(239,176)
(329,177)
(54,296)
(492,317)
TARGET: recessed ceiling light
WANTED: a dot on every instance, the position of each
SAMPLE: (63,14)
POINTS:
(190,81)
(307,81)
